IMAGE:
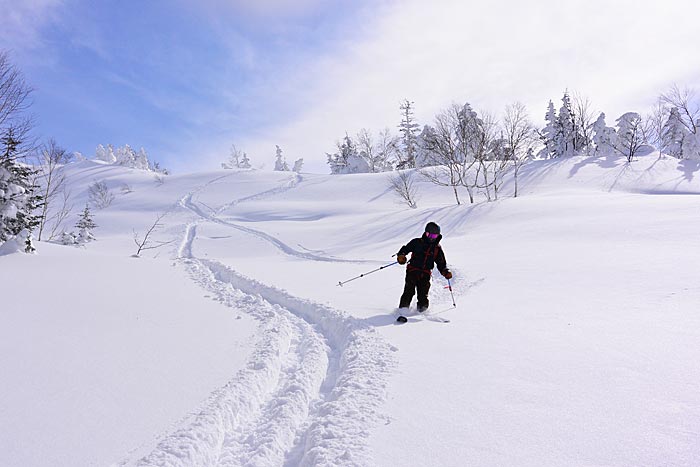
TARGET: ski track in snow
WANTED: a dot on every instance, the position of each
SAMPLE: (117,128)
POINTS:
(311,390)
(189,204)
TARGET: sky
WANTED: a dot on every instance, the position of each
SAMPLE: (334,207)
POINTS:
(187,79)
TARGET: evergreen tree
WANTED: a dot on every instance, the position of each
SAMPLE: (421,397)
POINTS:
(409,130)
(551,134)
(298,165)
(674,135)
(18,198)
(604,137)
(85,225)
(245,162)
(280,161)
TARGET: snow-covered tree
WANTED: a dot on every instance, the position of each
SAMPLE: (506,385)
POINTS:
(630,137)
(85,225)
(604,137)
(235,158)
(18,198)
(280,161)
(347,160)
(563,134)
(105,154)
(551,134)
(409,130)
(298,164)
(245,162)
(378,154)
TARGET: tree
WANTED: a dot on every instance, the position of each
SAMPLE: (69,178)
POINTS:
(687,104)
(583,120)
(519,138)
(298,164)
(14,104)
(564,134)
(551,134)
(105,154)
(100,195)
(378,154)
(409,130)
(235,158)
(245,162)
(630,137)
(280,161)
(147,243)
(52,184)
(403,184)
(18,198)
(85,225)
(448,163)
(347,160)
(604,137)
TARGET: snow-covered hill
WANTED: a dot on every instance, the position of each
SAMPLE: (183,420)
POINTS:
(575,340)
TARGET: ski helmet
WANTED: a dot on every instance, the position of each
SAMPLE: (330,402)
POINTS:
(432,227)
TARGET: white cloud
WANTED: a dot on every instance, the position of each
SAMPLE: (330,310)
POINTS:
(23,22)
(620,54)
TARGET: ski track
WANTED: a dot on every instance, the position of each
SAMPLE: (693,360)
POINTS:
(187,203)
(311,389)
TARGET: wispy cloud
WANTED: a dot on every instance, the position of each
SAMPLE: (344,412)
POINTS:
(23,22)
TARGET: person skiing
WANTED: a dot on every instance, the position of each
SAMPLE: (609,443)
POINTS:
(426,252)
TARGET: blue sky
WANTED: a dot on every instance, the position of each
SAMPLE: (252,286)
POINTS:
(186,79)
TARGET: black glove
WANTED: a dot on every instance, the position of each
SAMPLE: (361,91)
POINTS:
(447,274)
(401,259)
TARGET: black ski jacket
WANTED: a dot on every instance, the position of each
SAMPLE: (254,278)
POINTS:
(425,255)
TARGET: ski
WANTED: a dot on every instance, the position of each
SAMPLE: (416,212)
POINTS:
(418,316)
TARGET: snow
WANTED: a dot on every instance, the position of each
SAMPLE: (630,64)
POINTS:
(575,340)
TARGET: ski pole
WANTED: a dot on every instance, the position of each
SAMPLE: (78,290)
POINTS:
(449,286)
(367,273)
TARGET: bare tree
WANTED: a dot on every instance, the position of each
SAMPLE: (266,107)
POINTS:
(403,184)
(14,102)
(583,117)
(235,158)
(478,147)
(687,104)
(52,183)
(653,125)
(630,137)
(100,195)
(520,138)
(147,243)
(446,164)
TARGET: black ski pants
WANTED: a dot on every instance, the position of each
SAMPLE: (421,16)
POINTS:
(416,281)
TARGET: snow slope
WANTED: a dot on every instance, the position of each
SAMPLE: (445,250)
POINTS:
(574,340)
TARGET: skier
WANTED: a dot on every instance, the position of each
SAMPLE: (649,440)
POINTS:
(426,252)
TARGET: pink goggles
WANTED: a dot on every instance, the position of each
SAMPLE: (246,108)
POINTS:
(431,235)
